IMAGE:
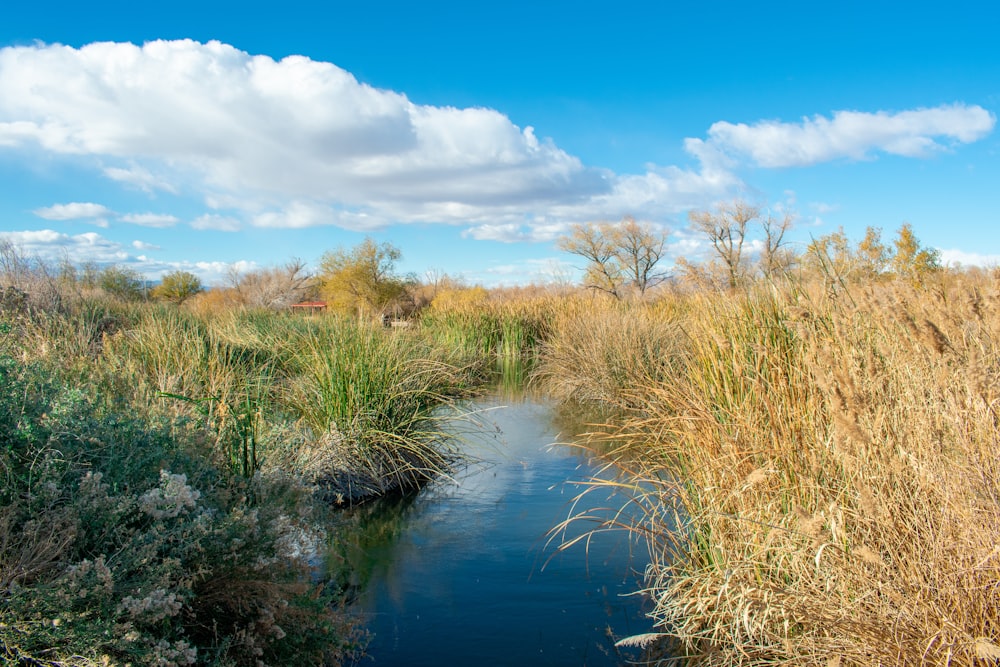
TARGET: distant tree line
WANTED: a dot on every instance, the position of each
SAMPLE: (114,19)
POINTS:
(746,243)
(621,259)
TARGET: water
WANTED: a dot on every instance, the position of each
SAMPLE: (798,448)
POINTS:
(462,572)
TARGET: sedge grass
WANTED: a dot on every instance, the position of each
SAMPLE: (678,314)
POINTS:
(371,399)
(480,331)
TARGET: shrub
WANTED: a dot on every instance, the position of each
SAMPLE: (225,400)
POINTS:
(120,542)
(178,287)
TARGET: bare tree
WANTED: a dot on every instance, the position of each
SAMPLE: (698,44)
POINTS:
(639,249)
(727,229)
(28,276)
(591,241)
(274,288)
(619,255)
(774,258)
(16,268)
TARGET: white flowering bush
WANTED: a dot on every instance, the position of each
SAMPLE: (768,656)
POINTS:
(155,606)
(122,542)
(171,498)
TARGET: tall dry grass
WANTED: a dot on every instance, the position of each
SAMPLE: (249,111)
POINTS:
(820,479)
(602,351)
(476,327)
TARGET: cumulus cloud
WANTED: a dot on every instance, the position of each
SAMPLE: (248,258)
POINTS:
(952,257)
(295,129)
(297,143)
(52,246)
(294,143)
(73,211)
(150,219)
(852,135)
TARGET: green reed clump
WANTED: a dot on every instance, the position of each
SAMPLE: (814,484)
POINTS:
(328,397)
(221,368)
(370,397)
(820,478)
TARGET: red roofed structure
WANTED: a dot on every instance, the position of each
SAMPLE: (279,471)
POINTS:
(309,306)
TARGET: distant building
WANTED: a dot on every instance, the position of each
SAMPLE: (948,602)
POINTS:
(309,307)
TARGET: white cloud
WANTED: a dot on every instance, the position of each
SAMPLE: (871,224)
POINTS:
(299,214)
(852,135)
(517,232)
(295,142)
(951,257)
(49,245)
(219,223)
(298,143)
(511,232)
(294,129)
(73,211)
(138,177)
(150,219)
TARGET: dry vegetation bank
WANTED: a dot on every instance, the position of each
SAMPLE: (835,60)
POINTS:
(814,448)
(820,469)
(160,472)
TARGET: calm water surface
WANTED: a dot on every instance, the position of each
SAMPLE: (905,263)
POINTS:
(461,573)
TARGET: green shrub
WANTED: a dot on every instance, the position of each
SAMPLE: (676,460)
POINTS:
(120,543)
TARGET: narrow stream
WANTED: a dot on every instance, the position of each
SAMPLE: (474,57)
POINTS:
(462,573)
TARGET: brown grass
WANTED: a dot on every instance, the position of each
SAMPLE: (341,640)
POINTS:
(601,351)
(821,477)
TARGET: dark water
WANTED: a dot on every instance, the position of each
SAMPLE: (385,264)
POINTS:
(462,574)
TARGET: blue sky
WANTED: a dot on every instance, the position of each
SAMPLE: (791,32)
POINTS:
(207,135)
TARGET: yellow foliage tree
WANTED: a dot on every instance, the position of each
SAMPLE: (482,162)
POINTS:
(362,280)
(912,261)
(177,287)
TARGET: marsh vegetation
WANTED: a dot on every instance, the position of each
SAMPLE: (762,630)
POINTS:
(810,448)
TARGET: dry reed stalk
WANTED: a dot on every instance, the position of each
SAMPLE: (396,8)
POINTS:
(833,466)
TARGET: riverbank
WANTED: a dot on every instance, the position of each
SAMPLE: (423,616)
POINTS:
(817,467)
(168,475)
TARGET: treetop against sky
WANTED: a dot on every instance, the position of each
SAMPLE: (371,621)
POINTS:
(198,138)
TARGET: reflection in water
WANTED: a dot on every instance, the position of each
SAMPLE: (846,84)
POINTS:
(462,572)
(360,537)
